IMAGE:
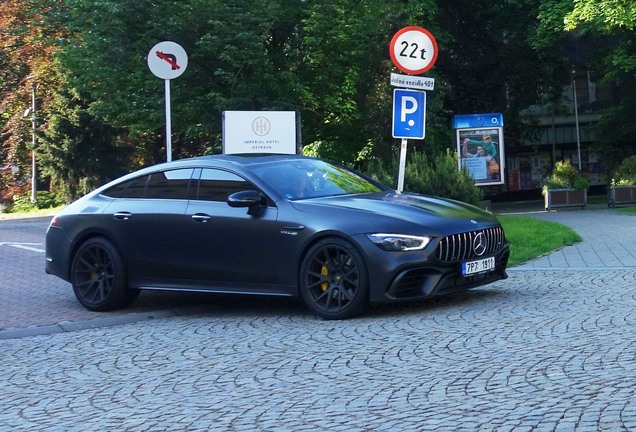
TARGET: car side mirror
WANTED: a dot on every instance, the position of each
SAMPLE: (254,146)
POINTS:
(248,198)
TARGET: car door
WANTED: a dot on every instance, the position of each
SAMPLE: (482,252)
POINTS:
(145,220)
(227,246)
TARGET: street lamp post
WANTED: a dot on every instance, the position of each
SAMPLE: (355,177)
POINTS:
(34,172)
(576,117)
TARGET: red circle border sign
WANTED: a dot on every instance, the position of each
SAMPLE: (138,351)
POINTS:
(399,64)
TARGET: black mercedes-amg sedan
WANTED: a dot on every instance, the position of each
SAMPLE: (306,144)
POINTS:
(272,225)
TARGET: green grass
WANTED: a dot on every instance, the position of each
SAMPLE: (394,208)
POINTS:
(597,199)
(30,214)
(629,210)
(530,238)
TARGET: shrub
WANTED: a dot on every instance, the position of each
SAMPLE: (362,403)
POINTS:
(438,174)
(564,176)
(44,200)
(626,173)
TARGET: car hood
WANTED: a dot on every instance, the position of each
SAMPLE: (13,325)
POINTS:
(434,212)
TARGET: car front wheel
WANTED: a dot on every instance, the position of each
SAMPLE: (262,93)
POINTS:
(98,276)
(333,279)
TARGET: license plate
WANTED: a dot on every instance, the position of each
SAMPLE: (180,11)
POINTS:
(479,266)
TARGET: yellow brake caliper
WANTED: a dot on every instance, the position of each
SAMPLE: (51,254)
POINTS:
(324,271)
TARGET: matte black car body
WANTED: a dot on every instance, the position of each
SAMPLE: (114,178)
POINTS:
(226,224)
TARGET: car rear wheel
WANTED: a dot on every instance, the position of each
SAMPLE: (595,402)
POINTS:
(333,279)
(99,276)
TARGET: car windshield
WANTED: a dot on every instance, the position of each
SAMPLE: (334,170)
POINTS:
(313,179)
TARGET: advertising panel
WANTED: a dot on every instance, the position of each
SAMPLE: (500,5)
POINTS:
(480,146)
(247,132)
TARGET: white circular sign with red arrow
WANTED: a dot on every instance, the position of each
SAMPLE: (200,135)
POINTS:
(167,60)
(413,50)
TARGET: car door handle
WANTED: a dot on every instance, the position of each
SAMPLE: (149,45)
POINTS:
(201,217)
(122,215)
(294,228)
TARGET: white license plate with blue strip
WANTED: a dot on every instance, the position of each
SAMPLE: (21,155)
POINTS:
(478,266)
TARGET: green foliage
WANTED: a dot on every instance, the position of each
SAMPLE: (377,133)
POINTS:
(602,15)
(438,175)
(490,64)
(326,60)
(80,152)
(573,24)
(626,173)
(44,200)
(565,176)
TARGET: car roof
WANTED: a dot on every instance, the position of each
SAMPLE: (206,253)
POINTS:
(220,160)
(243,159)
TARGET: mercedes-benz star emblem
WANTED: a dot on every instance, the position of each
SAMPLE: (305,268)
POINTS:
(480,244)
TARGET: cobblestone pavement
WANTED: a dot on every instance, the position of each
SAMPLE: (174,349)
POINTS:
(551,348)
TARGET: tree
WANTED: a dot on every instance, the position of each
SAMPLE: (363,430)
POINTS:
(25,64)
(613,22)
(491,65)
(604,16)
(327,60)
(79,151)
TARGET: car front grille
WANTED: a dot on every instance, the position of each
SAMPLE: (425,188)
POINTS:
(459,247)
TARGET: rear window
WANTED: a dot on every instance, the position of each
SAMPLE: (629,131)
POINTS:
(171,184)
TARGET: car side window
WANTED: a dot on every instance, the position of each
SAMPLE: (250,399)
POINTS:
(134,188)
(217,185)
(172,184)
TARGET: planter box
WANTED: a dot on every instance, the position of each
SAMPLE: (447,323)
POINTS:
(621,195)
(565,198)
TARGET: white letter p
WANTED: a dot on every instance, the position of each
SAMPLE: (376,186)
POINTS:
(404,110)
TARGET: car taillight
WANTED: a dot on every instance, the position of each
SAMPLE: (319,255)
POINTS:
(55,222)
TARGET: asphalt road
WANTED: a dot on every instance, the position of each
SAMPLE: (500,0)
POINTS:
(552,348)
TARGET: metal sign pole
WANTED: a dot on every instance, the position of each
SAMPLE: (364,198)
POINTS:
(410,121)
(403,145)
(34,168)
(168,123)
(167,60)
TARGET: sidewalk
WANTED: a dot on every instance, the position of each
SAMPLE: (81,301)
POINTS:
(609,237)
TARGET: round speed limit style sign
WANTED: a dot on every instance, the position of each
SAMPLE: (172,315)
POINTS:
(413,50)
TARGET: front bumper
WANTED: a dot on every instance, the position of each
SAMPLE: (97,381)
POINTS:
(422,274)
(446,278)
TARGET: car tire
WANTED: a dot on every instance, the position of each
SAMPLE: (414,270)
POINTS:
(333,279)
(99,278)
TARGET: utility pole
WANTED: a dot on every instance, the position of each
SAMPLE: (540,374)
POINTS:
(576,117)
(34,172)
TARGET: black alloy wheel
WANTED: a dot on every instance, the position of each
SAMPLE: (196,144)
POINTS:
(333,279)
(98,276)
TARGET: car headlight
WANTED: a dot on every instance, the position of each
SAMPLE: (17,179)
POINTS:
(399,242)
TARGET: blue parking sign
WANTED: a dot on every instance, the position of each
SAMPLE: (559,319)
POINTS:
(409,113)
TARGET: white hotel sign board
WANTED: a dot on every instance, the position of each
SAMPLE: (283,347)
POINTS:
(259,132)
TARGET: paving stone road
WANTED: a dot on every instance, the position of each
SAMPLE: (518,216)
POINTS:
(552,348)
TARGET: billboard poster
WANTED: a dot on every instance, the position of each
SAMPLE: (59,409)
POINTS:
(480,146)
